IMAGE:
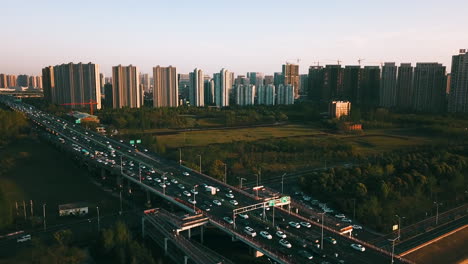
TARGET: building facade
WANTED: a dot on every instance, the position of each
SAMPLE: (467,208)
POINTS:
(429,87)
(285,94)
(245,94)
(290,73)
(126,90)
(197,88)
(338,109)
(458,98)
(165,87)
(388,85)
(404,93)
(266,95)
(223,86)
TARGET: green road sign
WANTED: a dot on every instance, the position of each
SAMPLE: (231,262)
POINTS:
(78,121)
(284,199)
(271,203)
(138,141)
(132,142)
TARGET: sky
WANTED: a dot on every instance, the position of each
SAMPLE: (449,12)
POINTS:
(239,35)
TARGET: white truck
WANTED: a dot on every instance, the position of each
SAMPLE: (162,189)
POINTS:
(211,189)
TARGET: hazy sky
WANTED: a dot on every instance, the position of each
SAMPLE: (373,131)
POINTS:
(240,35)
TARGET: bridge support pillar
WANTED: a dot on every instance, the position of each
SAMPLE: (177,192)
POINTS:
(185,260)
(103,173)
(201,234)
(143,227)
(165,245)
(189,233)
(119,181)
(148,199)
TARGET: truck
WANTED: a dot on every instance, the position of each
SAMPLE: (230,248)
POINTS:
(211,189)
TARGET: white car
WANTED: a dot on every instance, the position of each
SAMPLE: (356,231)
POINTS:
(285,243)
(357,227)
(23,238)
(294,224)
(181,186)
(162,185)
(280,234)
(306,224)
(266,235)
(192,201)
(358,247)
(174,181)
(346,220)
(185,173)
(193,191)
(244,216)
(234,202)
(249,231)
(228,220)
(230,195)
(187,193)
(218,203)
(340,216)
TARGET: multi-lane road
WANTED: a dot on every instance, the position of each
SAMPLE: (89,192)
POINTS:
(187,189)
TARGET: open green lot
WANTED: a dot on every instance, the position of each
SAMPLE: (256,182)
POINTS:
(41,173)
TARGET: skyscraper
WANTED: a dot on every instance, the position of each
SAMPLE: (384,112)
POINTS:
(278,79)
(285,94)
(39,82)
(458,98)
(388,85)
(315,83)
(256,78)
(48,84)
(269,79)
(332,83)
(126,90)
(209,91)
(74,83)
(245,94)
(291,76)
(183,82)
(429,87)
(266,95)
(3,81)
(23,80)
(165,87)
(32,82)
(223,84)
(369,87)
(145,82)
(197,88)
(351,80)
(11,81)
(303,83)
(404,87)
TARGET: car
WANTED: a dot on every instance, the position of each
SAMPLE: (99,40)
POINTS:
(178,194)
(358,247)
(280,234)
(266,235)
(187,193)
(357,227)
(205,208)
(306,224)
(233,202)
(149,178)
(218,203)
(185,173)
(244,216)
(192,201)
(207,203)
(163,177)
(145,150)
(285,243)
(249,231)
(230,195)
(167,183)
(340,216)
(174,181)
(228,190)
(23,238)
(331,240)
(193,191)
(162,185)
(181,186)
(346,220)
(294,224)
(305,254)
(228,220)
(157,180)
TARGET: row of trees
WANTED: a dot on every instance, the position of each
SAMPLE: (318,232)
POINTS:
(12,124)
(402,182)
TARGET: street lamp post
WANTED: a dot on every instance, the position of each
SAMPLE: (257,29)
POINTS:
(393,247)
(225,173)
(194,194)
(139,171)
(120,194)
(200,163)
(44,216)
(282,182)
(240,181)
(437,211)
(256,189)
(354,209)
(98,219)
(180,156)
(321,241)
(164,185)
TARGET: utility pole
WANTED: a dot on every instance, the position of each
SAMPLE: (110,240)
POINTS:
(120,200)
(240,181)
(200,164)
(180,156)
(354,209)
(225,173)
(393,247)
(321,242)
(139,171)
(24,209)
(121,164)
(98,220)
(437,211)
(44,216)
(399,225)
(282,182)
(32,211)
(194,199)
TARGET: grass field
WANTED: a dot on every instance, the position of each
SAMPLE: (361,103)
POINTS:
(449,250)
(44,175)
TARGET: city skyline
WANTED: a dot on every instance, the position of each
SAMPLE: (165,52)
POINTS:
(380,32)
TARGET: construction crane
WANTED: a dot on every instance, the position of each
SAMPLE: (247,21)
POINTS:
(360,60)
(316,62)
(297,61)
(90,103)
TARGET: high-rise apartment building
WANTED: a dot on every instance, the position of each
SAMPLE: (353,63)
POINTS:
(333,76)
(278,78)
(3,81)
(351,82)
(145,82)
(339,108)
(256,78)
(303,83)
(291,76)
(126,90)
(316,74)
(209,91)
(73,83)
(429,87)
(269,79)
(183,80)
(404,93)
(241,79)
(369,87)
(11,81)
(245,94)
(32,82)
(39,82)
(285,94)
(165,87)
(197,88)
(23,80)
(388,85)
(458,98)
(223,86)
(266,95)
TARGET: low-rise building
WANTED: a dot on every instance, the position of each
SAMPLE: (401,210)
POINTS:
(77,209)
